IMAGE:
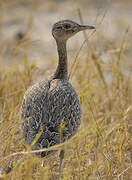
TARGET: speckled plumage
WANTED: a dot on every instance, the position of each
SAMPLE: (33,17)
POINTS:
(51,102)
(46,105)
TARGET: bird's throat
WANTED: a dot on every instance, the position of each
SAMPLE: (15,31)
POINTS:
(61,71)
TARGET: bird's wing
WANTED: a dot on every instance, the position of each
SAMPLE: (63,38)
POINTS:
(34,109)
(64,106)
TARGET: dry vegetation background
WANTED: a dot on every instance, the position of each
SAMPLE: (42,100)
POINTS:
(100,64)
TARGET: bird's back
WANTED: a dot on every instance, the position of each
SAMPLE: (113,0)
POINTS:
(46,105)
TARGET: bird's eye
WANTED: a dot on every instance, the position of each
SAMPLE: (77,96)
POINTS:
(67,26)
(59,27)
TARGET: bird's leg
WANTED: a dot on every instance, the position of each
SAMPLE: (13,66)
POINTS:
(60,163)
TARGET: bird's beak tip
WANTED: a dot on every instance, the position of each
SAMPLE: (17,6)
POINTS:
(92,27)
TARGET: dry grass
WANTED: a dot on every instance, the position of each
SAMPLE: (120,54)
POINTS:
(102,149)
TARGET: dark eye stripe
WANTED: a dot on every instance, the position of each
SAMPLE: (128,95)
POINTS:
(67,26)
(59,27)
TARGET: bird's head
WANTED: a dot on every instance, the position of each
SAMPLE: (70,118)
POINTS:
(65,29)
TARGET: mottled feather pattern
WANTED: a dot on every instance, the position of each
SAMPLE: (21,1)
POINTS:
(51,110)
(47,104)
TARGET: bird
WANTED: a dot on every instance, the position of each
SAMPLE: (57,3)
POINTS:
(51,104)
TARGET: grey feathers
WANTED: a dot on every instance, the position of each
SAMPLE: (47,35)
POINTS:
(47,104)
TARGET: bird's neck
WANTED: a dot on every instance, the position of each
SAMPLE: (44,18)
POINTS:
(61,71)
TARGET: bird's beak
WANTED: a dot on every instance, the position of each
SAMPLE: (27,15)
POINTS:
(82,27)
